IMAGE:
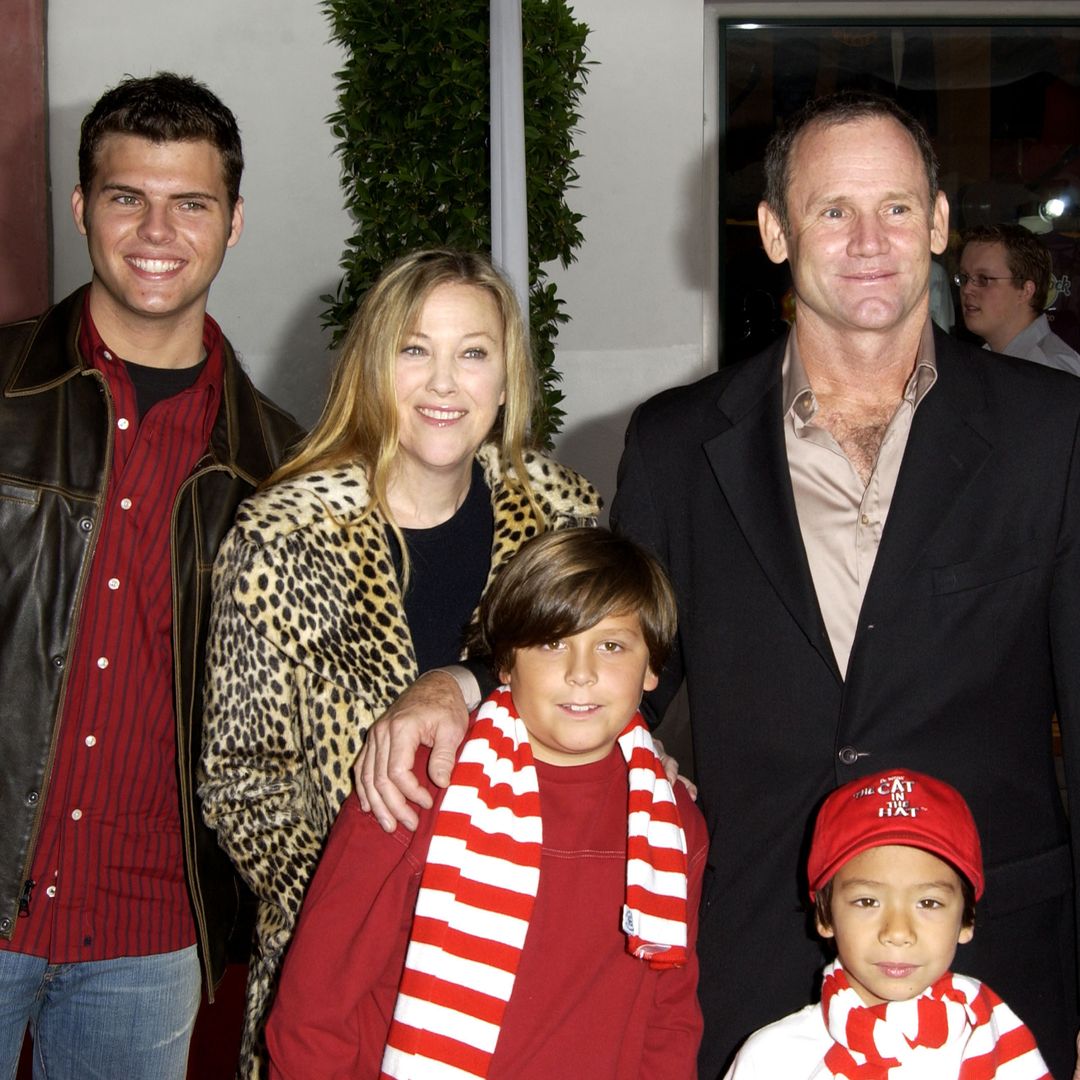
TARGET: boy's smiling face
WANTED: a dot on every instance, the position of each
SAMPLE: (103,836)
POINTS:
(896,914)
(577,694)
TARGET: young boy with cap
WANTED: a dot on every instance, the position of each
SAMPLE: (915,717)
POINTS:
(895,869)
(542,919)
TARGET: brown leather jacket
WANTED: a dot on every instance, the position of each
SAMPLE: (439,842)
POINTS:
(55,452)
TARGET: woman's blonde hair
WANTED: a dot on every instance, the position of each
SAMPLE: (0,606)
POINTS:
(359,421)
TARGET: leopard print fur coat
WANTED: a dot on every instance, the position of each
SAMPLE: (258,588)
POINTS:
(308,645)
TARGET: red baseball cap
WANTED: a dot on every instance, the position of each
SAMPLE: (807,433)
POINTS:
(897,806)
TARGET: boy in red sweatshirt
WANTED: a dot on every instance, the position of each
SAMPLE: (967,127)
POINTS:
(543,915)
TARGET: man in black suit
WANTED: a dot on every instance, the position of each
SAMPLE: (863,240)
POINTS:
(874,535)
(875,539)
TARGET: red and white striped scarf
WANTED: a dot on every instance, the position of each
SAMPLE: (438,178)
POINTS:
(957,1027)
(479,886)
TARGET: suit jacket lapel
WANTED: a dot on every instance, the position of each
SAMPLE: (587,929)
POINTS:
(944,452)
(750,465)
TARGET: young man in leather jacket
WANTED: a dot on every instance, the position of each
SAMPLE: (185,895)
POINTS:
(128,435)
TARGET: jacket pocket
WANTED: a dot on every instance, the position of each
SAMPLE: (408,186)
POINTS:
(19,494)
(988,569)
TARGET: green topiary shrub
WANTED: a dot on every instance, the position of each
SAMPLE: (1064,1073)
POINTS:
(412,135)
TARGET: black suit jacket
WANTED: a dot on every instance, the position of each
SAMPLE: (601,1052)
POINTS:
(968,641)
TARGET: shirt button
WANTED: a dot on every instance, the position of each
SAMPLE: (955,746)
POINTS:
(848,755)
(58,661)
(114,583)
(90,740)
(103,662)
(86,524)
(106,354)
(32,798)
(123,423)
(865,519)
(50,891)
(125,504)
(76,815)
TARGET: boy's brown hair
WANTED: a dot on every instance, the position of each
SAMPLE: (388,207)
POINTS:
(564,582)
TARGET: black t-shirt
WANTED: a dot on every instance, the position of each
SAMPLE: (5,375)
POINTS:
(448,568)
(154,384)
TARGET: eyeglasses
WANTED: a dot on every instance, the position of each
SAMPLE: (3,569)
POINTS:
(980,281)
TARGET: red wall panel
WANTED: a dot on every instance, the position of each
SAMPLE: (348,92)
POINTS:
(24,193)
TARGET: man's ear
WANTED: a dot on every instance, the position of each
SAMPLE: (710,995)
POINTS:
(1028,291)
(78,209)
(939,224)
(236,226)
(773,238)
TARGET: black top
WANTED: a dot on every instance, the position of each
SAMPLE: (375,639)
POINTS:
(154,384)
(448,569)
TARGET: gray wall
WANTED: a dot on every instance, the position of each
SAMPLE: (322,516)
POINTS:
(269,60)
(635,294)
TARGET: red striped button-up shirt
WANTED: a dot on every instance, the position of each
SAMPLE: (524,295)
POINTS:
(108,868)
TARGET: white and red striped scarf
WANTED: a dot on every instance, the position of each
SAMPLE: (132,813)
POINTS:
(957,1027)
(479,885)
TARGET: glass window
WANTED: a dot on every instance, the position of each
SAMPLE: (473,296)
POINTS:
(1001,104)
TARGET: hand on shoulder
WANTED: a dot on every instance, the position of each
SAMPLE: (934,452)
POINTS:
(430,713)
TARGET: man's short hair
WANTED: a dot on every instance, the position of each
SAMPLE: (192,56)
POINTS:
(163,108)
(1026,256)
(844,107)
(823,902)
(562,583)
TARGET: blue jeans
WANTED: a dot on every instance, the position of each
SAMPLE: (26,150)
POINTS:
(124,1019)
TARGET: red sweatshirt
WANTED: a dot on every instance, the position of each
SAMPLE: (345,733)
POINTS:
(580,1000)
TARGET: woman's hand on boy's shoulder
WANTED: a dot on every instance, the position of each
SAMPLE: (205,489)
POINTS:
(431,713)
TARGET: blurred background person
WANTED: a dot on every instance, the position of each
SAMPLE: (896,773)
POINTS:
(1005,278)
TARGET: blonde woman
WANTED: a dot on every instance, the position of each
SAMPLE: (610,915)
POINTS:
(359,566)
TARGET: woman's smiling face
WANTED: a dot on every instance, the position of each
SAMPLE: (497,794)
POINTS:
(449,381)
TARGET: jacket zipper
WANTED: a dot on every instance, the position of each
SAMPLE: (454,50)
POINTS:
(24,899)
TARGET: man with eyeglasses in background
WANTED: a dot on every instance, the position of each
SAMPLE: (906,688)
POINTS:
(1004,279)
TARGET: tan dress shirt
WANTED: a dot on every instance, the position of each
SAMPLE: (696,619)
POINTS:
(841,521)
